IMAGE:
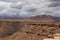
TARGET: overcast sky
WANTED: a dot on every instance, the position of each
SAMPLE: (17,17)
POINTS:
(29,7)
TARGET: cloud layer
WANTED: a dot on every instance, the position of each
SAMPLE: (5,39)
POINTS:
(26,8)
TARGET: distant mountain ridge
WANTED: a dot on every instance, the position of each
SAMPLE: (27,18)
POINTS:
(44,17)
(10,17)
(37,17)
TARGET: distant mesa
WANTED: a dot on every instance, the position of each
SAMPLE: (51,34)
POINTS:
(44,17)
(41,17)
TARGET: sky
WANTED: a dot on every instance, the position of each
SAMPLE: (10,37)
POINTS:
(26,8)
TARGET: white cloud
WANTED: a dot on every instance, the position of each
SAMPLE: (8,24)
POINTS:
(5,3)
(32,7)
(9,0)
(29,7)
(18,5)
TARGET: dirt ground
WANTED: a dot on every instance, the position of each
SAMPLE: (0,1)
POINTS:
(15,30)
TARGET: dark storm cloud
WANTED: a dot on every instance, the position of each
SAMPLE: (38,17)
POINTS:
(31,9)
(54,4)
(54,0)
